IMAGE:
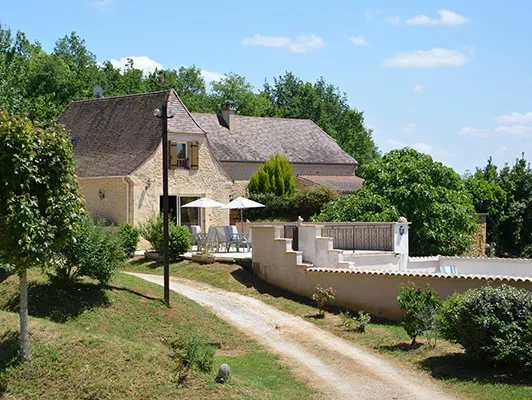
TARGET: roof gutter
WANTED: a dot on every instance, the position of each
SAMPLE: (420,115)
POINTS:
(291,162)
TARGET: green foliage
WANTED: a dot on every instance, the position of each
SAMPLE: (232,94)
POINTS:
(311,200)
(275,207)
(274,176)
(90,252)
(236,92)
(322,297)
(507,196)
(420,307)
(495,324)
(193,355)
(352,323)
(410,184)
(180,241)
(446,320)
(364,206)
(40,203)
(152,230)
(129,236)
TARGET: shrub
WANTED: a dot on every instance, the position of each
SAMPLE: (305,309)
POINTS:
(495,324)
(193,355)
(420,308)
(275,207)
(311,200)
(322,296)
(90,252)
(274,176)
(351,323)
(129,236)
(180,241)
(152,231)
(446,320)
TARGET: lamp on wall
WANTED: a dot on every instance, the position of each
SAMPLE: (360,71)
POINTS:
(149,181)
(101,194)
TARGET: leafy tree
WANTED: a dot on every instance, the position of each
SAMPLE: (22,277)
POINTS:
(311,200)
(506,195)
(274,176)
(15,55)
(516,229)
(410,184)
(236,92)
(362,206)
(190,85)
(39,202)
(488,197)
(81,62)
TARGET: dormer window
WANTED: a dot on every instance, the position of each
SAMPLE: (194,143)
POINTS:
(178,155)
(183,155)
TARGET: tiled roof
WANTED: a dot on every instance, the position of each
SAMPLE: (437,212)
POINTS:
(340,183)
(502,278)
(255,139)
(115,135)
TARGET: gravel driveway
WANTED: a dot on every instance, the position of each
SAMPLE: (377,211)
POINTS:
(337,368)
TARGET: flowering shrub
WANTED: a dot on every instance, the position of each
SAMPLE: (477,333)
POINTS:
(352,323)
(322,296)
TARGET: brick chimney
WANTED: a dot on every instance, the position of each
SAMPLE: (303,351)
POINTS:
(228,115)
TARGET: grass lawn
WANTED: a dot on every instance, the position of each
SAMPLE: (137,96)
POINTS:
(93,342)
(445,362)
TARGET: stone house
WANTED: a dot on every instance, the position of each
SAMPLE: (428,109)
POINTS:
(118,151)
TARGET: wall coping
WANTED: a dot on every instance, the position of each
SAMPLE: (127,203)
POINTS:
(498,278)
(488,259)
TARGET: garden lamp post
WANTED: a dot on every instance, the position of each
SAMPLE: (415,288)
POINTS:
(164,115)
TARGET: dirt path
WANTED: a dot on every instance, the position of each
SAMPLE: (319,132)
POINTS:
(334,366)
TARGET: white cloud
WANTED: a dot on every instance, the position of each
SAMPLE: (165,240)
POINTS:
(515,118)
(143,63)
(418,88)
(446,18)
(359,41)
(103,5)
(452,18)
(299,44)
(395,21)
(509,132)
(211,76)
(409,128)
(370,14)
(433,58)
(422,20)
(395,144)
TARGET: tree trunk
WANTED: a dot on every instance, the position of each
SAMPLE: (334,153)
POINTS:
(24,330)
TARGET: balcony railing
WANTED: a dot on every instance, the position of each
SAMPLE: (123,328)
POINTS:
(360,235)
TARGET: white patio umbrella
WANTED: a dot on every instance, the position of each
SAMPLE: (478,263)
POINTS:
(204,202)
(240,203)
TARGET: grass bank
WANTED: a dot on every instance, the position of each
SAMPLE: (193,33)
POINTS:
(445,362)
(112,342)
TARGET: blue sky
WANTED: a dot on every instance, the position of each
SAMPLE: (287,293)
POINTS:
(450,78)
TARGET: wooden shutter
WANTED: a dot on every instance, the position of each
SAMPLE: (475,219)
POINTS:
(172,154)
(194,155)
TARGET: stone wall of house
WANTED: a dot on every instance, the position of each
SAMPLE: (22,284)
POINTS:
(243,171)
(209,180)
(107,198)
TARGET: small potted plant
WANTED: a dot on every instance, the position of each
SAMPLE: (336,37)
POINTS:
(203,255)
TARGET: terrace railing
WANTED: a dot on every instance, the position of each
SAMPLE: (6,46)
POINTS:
(360,235)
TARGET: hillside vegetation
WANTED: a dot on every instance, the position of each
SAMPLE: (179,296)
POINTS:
(113,342)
